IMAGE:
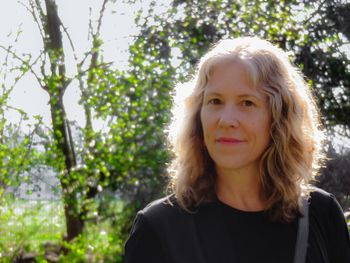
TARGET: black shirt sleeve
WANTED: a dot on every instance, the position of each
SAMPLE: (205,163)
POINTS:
(340,250)
(143,245)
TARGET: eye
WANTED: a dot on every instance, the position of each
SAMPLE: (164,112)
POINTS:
(248,103)
(215,101)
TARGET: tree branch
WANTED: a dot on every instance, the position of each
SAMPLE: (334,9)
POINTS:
(70,41)
(30,66)
(99,23)
(36,20)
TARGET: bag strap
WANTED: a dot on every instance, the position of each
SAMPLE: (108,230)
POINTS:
(302,235)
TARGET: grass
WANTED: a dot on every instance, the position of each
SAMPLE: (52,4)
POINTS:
(26,224)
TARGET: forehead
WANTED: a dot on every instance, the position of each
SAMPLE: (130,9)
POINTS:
(232,76)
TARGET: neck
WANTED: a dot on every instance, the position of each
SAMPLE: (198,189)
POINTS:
(240,189)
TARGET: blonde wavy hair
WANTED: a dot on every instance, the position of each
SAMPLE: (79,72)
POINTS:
(295,150)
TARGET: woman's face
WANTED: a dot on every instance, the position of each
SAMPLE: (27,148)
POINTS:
(235,119)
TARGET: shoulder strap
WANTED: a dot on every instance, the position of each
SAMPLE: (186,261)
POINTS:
(302,235)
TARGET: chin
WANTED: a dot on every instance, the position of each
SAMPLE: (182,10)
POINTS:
(235,165)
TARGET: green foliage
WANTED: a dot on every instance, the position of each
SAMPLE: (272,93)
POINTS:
(26,225)
(98,243)
(193,26)
(100,240)
(17,155)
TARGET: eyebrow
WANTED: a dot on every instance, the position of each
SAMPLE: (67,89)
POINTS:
(210,93)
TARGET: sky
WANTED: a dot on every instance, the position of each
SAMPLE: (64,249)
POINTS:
(117,31)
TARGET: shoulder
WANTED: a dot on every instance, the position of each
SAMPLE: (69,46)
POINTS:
(319,197)
(322,202)
(324,207)
(146,241)
(327,223)
(165,220)
(163,210)
(156,217)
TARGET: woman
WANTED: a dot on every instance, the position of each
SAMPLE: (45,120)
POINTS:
(248,145)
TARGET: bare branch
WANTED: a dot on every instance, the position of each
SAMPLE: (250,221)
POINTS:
(99,23)
(85,57)
(70,41)
(30,66)
(91,30)
(94,52)
(32,10)
(42,67)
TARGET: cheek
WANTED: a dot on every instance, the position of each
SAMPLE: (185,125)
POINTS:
(204,119)
(268,124)
(260,127)
(203,124)
(207,126)
(264,121)
(201,119)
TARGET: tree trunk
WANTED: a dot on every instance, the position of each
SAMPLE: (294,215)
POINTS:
(74,224)
(56,87)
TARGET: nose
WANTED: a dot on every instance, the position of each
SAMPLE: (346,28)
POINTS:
(229,118)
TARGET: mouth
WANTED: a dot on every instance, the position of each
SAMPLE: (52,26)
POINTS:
(227,140)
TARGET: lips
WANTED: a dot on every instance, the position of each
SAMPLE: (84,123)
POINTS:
(229,140)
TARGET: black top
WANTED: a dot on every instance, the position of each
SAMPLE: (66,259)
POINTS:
(216,232)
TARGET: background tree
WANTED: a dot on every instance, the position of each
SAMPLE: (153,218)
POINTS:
(335,176)
(91,163)
(130,103)
(16,146)
(323,59)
